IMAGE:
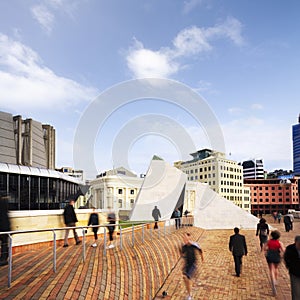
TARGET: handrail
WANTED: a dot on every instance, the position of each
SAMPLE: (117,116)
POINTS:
(134,225)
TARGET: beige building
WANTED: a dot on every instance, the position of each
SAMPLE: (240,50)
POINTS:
(223,175)
(117,189)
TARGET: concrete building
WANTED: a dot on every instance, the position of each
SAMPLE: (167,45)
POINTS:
(117,188)
(253,169)
(223,175)
(26,142)
(296,147)
(269,195)
(164,186)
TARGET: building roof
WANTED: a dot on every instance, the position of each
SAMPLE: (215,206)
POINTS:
(34,171)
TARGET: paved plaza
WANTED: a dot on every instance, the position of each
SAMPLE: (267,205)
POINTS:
(145,270)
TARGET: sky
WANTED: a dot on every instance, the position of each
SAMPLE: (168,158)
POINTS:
(57,57)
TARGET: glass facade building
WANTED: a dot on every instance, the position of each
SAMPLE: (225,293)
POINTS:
(36,188)
(296,147)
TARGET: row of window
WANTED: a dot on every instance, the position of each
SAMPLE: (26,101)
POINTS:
(120,192)
(121,203)
(273,194)
(273,188)
(273,200)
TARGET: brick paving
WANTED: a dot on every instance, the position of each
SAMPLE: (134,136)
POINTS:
(145,270)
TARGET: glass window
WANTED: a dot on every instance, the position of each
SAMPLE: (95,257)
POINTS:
(120,203)
(13,192)
(120,191)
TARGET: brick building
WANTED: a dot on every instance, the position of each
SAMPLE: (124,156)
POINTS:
(269,195)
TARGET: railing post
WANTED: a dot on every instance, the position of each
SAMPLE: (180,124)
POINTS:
(104,242)
(83,244)
(121,238)
(54,251)
(143,233)
(132,235)
(9,260)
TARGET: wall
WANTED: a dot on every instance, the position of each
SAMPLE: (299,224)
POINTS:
(34,220)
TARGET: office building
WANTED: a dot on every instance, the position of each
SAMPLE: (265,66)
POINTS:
(253,169)
(276,194)
(296,147)
(223,175)
(26,142)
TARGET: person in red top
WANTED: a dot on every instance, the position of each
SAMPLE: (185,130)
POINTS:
(273,248)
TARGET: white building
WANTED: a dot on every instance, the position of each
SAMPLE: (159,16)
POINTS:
(223,175)
(116,188)
(253,169)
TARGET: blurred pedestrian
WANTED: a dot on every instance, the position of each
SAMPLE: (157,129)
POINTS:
(287,223)
(4,226)
(156,215)
(111,218)
(70,219)
(273,248)
(238,248)
(292,262)
(188,252)
(279,216)
(94,220)
(262,230)
(177,216)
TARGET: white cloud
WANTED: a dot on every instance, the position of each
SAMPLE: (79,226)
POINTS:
(257,106)
(25,83)
(189,42)
(190,5)
(235,110)
(46,12)
(147,63)
(43,15)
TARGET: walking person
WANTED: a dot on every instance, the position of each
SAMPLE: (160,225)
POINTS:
(177,216)
(111,219)
(4,226)
(287,223)
(292,262)
(156,215)
(279,217)
(238,247)
(70,219)
(273,248)
(94,220)
(188,252)
(262,230)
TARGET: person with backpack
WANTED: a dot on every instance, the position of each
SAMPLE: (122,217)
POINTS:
(262,230)
(94,220)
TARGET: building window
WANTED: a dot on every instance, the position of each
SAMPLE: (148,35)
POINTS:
(196,177)
(131,202)
(120,203)
(273,200)
(120,191)
(287,199)
(131,192)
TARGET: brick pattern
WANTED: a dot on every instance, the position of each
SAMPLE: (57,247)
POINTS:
(145,270)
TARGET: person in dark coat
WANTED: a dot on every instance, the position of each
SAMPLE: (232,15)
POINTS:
(292,262)
(70,221)
(238,247)
(4,226)
(156,215)
(94,220)
(262,230)
(287,223)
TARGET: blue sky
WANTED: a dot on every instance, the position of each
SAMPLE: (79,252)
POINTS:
(56,56)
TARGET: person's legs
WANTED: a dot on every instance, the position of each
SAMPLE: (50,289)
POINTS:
(295,287)
(66,237)
(187,282)
(75,236)
(237,264)
(95,230)
(276,272)
(4,247)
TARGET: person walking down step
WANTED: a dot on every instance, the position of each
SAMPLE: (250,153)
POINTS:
(188,252)
(4,226)
(238,248)
(94,220)
(70,219)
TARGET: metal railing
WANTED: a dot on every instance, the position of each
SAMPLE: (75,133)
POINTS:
(165,227)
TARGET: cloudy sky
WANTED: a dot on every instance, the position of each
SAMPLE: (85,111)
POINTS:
(242,57)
